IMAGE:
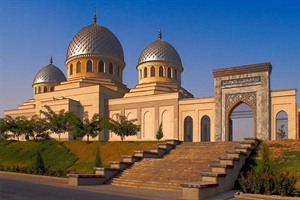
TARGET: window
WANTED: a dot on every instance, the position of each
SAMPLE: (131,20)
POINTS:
(100,66)
(52,89)
(188,129)
(145,72)
(282,125)
(45,89)
(119,71)
(175,73)
(111,68)
(169,72)
(89,66)
(152,71)
(39,90)
(161,71)
(78,67)
(71,69)
(140,74)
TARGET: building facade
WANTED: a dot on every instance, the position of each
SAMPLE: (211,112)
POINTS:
(94,83)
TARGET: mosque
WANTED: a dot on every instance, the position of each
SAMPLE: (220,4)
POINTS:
(94,83)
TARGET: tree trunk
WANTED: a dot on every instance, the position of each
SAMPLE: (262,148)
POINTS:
(88,138)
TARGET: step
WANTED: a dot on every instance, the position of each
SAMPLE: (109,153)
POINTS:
(235,153)
(158,150)
(107,172)
(130,159)
(166,146)
(212,176)
(221,168)
(119,165)
(228,160)
(145,154)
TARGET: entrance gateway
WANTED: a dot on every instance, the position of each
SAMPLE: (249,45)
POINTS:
(248,85)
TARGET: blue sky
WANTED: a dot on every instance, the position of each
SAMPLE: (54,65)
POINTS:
(207,35)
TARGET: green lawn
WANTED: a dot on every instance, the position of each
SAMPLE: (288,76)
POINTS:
(70,156)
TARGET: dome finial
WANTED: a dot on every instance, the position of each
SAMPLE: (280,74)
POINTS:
(51,60)
(159,34)
(95,17)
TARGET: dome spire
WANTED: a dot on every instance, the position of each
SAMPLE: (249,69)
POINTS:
(159,34)
(51,60)
(95,17)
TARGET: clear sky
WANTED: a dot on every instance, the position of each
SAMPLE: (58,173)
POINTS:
(207,35)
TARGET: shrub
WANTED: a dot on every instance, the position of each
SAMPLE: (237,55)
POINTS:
(159,133)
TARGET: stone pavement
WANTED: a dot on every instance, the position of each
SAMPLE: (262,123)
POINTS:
(16,186)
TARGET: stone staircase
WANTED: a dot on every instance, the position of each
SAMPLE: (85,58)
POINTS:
(181,165)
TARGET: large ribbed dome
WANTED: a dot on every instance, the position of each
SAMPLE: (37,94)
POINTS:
(160,50)
(95,39)
(49,74)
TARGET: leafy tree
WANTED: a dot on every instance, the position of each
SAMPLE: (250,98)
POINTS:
(3,129)
(39,164)
(159,133)
(281,133)
(40,126)
(58,122)
(17,126)
(123,127)
(86,127)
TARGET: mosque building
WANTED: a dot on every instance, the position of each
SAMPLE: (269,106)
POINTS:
(94,83)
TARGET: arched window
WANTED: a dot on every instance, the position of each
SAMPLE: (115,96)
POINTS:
(188,129)
(35,90)
(175,73)
(169,72)
(52,89)
(45,89)
(39,90)
(282,125)
(118,71)
(145,72)
(89,66)
(71,69)
(78,67)
(140,74)
(100,66)
(161,71)
(205,129)
(110,68)
(152,71)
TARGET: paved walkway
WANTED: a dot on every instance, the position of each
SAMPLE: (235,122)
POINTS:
(16,186)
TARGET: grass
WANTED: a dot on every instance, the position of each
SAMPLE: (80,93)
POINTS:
(109,151)
(71,156)
(284,157)
(23,154)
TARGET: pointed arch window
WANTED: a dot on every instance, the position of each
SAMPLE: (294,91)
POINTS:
(78,67)
(119,71)
(110,68)
(45,89)
(145,72)
(89,66)
(161,71)
(140,74)
(169,72)
(152,72)
(52,89)
(71,69)
(100,66)
(39,90)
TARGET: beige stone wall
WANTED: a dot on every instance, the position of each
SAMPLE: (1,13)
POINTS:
(196,109)
(285,100)
(149,111)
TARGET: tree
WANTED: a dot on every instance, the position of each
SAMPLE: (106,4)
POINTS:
(159,133)
(58,122)
(86,127)
(39,164)
(123,127)
(281,133)
(17,126)
(40,126)
(98,162)
(4,128)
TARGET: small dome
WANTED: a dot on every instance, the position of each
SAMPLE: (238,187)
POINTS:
(95,39)
(160,50)
(49,74)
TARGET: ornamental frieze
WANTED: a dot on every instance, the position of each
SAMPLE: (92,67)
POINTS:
(254,79)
